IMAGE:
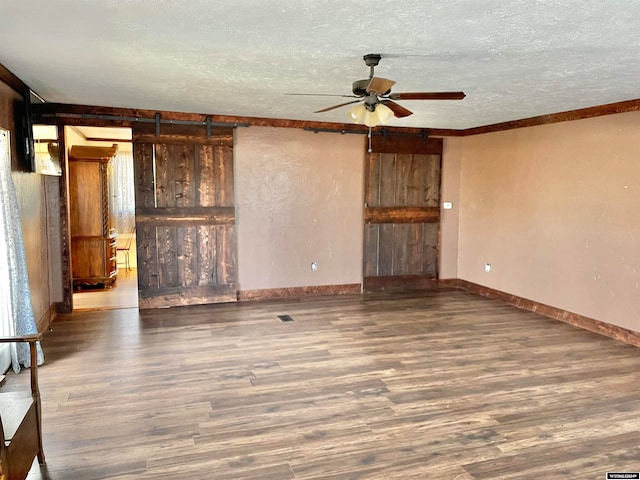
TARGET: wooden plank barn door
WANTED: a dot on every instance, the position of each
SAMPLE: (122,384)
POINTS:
(402,214)
(185,216)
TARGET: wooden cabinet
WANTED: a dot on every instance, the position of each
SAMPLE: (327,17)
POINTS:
(92,216)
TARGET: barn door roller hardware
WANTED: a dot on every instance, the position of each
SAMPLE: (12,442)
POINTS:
(207,123)
(157,119)
(383,132)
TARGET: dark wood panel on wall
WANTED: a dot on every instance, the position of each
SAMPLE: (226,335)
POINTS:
(400,283)
(400,249)
(171,215)
(185,217)
(402,215)
(411,143)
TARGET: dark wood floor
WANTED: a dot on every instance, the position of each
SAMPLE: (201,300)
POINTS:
(442,385)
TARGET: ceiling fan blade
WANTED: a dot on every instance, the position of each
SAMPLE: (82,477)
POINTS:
(428,96)
(321,95)
(398,110)
(379,85)
(336,106)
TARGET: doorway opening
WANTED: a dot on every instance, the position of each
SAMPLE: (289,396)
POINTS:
(115,209)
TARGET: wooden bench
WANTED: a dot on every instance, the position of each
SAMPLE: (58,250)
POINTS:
(20,421)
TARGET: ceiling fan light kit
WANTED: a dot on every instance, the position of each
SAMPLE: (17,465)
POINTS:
(378,106)
(383,113)
(371,116)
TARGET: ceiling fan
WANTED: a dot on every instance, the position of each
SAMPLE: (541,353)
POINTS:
(376,103)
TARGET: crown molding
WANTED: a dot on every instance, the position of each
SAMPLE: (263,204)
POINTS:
(568,116)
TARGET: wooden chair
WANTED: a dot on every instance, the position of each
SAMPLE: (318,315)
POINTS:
(21,421)
(125,250)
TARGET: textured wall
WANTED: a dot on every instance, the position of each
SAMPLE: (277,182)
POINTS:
(298,199)
(555,210)
(449,219)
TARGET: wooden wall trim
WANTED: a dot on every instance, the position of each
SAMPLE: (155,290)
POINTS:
(596,326)
(44,322)
(75,115)
(8,77)
(448,283)
(66,306)
(297,292)
(579,114)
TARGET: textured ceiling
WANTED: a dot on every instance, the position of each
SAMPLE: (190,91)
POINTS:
(514,59)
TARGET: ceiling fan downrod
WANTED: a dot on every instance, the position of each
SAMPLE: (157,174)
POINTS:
(371,60)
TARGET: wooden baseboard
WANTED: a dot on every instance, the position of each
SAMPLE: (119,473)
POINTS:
(448,283)
(44,322)
(596,326)
(295,292)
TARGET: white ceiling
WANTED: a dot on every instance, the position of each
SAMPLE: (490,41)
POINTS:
(513,58)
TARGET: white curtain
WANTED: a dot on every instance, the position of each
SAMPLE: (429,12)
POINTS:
(16,310)
(125,198)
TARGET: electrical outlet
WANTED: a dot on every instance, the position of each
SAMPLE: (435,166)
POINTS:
(314,266)
(487,267)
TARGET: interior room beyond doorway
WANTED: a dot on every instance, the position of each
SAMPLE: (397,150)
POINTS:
(120,208)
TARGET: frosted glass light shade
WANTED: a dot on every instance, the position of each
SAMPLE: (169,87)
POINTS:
(356,113)
(383,113)
(370,119)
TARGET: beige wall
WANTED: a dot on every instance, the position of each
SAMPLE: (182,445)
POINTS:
(556,210)
(299,198)
(450,219)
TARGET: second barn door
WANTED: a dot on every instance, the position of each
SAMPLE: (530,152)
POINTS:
(402,214)
(185,216)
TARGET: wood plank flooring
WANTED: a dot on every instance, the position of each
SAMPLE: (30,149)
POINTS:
(123,294)
(438,385)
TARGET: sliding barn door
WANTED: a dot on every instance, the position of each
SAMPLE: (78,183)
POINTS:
(185,217)
(402,214)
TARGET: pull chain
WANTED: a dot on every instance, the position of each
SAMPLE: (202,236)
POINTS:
(369,137)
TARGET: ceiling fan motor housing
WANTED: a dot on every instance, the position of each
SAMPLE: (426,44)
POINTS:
(359,88)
